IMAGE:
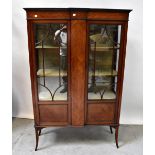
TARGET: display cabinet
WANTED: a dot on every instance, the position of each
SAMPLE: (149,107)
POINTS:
(77,59)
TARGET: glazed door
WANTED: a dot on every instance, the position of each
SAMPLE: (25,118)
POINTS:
(52,71)
(104,44)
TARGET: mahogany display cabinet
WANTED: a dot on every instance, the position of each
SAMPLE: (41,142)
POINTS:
(77,59)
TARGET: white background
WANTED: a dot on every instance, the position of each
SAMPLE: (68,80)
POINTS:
(132,101)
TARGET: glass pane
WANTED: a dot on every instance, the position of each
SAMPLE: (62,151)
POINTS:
(104,45)
(51,55)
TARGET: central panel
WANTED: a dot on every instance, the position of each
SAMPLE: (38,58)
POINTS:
(78,45)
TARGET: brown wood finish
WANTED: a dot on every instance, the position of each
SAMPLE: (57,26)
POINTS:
(109,16)
(53,113)
(100,113)
(78,15)
(47,15)
(32,73)
(88,102)
(77,110)
(121,66)
(116,136)
(78,41)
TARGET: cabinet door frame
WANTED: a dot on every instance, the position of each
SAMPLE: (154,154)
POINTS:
(121,64)
(33,69)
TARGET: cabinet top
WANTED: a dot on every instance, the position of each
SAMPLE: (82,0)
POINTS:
(77,13)
(78,9)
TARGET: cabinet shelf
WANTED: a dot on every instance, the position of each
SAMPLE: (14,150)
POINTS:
(47,46)
(101,48)
(55,73)
(50,72)
(98,48)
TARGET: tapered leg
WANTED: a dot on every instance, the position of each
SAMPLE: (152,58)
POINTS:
(116,136)
(40,131)
(37,138)
(111,130)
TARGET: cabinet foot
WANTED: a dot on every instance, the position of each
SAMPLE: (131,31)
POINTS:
(116,136)
(37,137)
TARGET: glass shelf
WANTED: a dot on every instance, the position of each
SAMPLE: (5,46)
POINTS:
(50,72)
(47,46)
(98,48)
(103,48)
(55,72)
(103,73)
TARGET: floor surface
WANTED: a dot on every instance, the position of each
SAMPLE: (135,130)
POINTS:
(89,140)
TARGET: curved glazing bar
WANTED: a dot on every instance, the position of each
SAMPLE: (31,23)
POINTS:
(51,54)
(103,57)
